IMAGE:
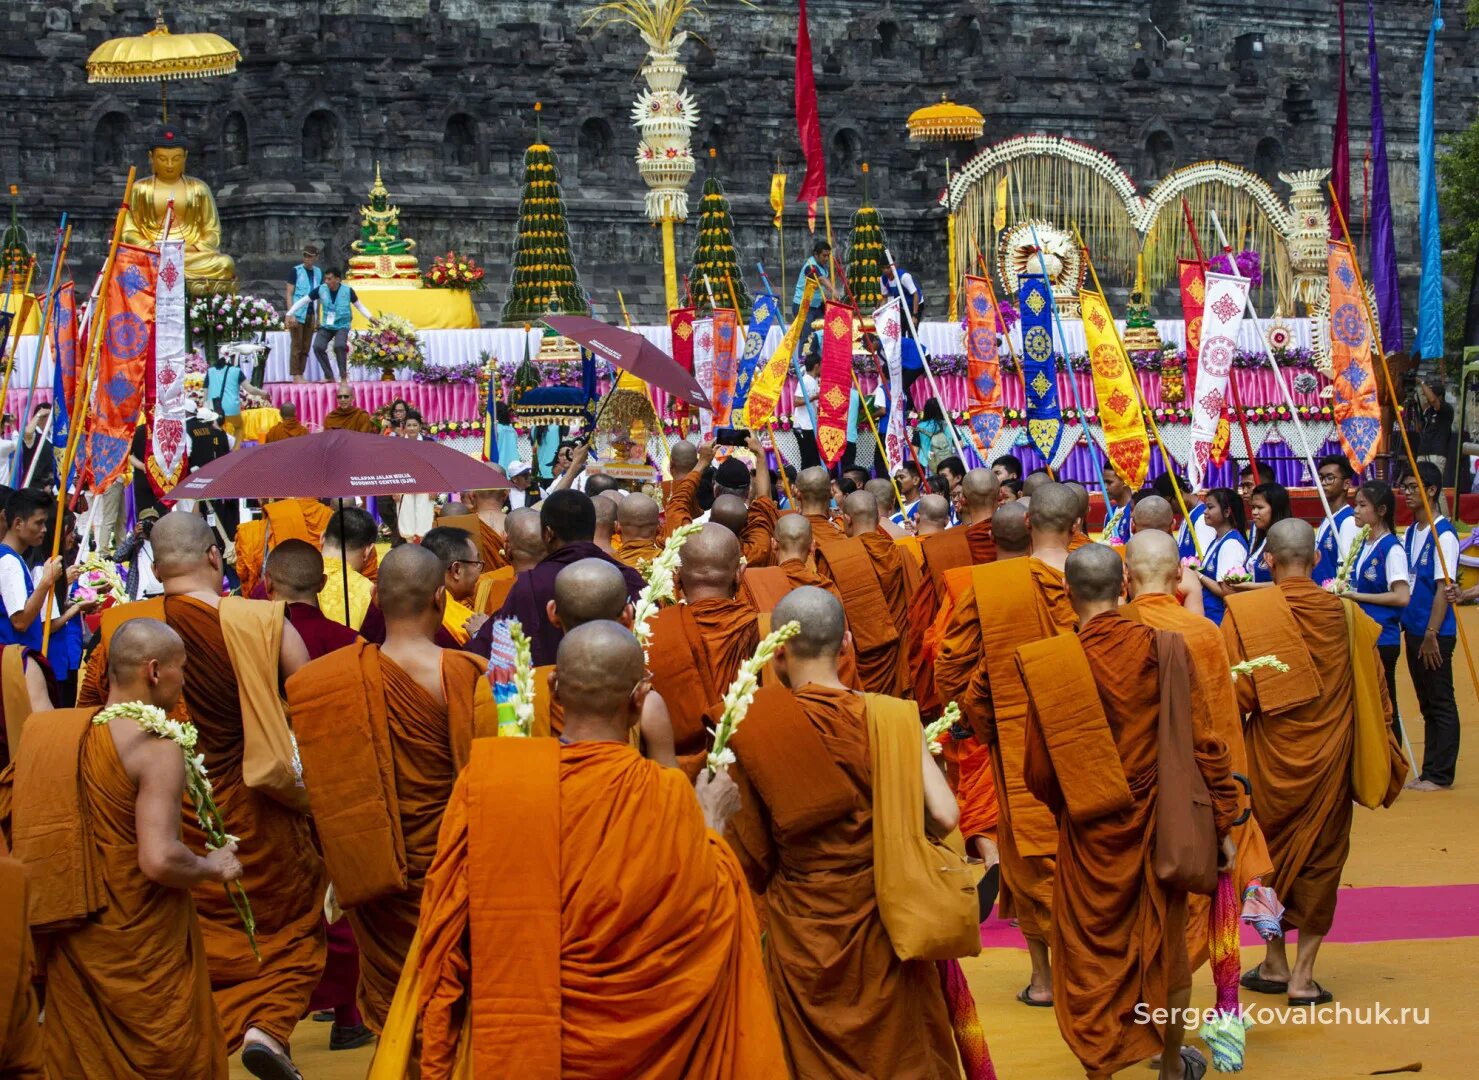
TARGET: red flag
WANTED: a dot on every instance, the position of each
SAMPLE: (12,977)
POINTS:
(1193,292)
(809,121)
(836,381)
(727,344)
(1340,165)
(680,322)
(127,345)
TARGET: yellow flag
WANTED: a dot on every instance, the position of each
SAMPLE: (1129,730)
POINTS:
(1000,221)
(778,196)
(1125,439)
(765,388)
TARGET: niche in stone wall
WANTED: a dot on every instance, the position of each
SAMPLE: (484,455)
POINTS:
(593,151)
(320,139)
(112,148)
(1157,157)
(888,39)
(846,154)
(236,148)
(460,142)
(1268,159)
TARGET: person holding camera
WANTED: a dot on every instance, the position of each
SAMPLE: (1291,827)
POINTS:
(136,553)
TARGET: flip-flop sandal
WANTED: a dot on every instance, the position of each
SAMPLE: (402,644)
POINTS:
(1026,998)
(1254,981)
(265,1063)
(1193,1065)
(1324,997)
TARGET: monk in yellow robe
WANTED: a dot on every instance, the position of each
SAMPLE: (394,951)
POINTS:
(348,546)
(1008,605)
(869,572)
(420,707)
(346,415)
(21,1054)
(1301,734)
(97,823)
(813,490)
(1154,564)
(697,646)
(805,836)
(1095,707)
(638,521)
(286,428)
(618,920)
(236,652)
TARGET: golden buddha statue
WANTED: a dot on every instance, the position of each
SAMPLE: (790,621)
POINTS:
(207,269)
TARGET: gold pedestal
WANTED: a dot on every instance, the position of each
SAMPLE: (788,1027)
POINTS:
(401,269)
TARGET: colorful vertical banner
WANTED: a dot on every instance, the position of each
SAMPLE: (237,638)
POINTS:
(983,365)
(1039,374)
(64,369)
(765,313)
(765,388)
(127,342)
(168,405)
(1429,343)
(703,370)
(888,325)
(680,322)
(836,388)
(1384,281)
(1125,438)
(1191,276)
(727,347)
(777,197)
(809,123)
(1357,414)
(1340,158)
(1225,301)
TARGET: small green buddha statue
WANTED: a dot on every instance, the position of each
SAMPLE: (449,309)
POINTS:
(381,251)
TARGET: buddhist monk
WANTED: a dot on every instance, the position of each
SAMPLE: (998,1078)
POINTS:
(1155,514)
(1119,933)
(294,576)
(1081,525)
(869,572)
(1020,601)
(805,836)
(793,553)
(698,646)
(346,415)
(1035,480)
(682,457)
(484,516)
(637,523)
(287,427)
(21,1053)
(814,501)
(741,502)
(462,567)
(523,549)
(620,923)
(282,519)
(348,546)
(127,990)
(1300,733)
(388,728)
(1009,531)
(933,516)
(237,650)
(882,490)
(606,505)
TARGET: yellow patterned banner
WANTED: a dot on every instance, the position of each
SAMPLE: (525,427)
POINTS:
(1125,439)
(765,389)
(778,197)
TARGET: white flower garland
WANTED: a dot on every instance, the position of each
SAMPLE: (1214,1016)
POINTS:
(660,588)
(936,732)
(742,691)
(1248,667)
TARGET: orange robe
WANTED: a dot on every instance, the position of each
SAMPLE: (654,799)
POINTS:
(618,921)
(1300,737)
(696,652)
(1077,540)
(963,545)
(869,573)
(493,589)
(804,834)
(349,418)
(284,519)
(1209,660)
(284,429)
(681,503)
(492,544)
(825,530)
(1027,602)
(127,990)
(1118,936)
(371,568)
(281,871)
(428,743)
(20,1035)
(763,587)
(633,552)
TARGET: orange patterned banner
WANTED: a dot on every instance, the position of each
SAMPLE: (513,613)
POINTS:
(836,389)
(1357,414)
(127,343)
(983,364)
(726,363)
(1125,440)
(1193,280)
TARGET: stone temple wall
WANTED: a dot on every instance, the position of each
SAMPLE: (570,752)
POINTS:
(440,92)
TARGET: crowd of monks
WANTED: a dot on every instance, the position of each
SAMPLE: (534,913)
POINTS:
(594,900)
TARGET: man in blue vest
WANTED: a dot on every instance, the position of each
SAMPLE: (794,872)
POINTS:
(305,278)
(335,301)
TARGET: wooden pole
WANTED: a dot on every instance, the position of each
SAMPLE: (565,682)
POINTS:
(878,439)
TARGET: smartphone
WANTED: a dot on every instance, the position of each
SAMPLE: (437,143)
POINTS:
(730,436)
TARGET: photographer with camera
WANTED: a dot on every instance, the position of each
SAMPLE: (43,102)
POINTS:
(137,554)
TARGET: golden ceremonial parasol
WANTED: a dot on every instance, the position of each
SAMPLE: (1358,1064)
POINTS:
(161,55)
(945,121)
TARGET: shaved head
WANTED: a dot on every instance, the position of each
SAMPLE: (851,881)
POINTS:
(1095,574)
(296,570)
(820,616)
(407,584)
(814,490)
(1291,545)
(861,510)
(981,490)
(1034,481)
(731,512)
(525,538)
(607,505)
(1081,494)
(181,542)
(682,458)
(1153,514)
(597,667)
(1054,509)
(1009,529)
(710,562)
(638,517)
(1154,561)
(934,513)
(883,493)
(288,411)
(589,590)
(137,642)
(792,538)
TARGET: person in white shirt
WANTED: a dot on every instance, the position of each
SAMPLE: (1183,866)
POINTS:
(335,301)
(801,415)
(520,474)
(1333,545)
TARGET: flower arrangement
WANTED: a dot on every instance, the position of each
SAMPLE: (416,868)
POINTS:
(1248,667)
(660,589)
(1192,563)
(470,371)
(1341,582)
(99,580)
(196,366)
(153,719)
(231,318)
(454,271)
(1236,575)
(1249,265)
(936,733)
(511,678)
(391,344)
(742,691)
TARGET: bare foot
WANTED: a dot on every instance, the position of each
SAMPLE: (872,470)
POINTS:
(1423,785)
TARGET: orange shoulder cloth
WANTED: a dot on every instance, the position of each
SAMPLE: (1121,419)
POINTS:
(851,568)
(1265,626)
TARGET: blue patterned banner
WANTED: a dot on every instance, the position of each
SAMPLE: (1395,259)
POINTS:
(764,314)
(1039,374)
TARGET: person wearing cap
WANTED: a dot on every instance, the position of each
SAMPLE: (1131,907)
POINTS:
(208,442)
(195,220)
(306,278)
(520,475)
(137,554)
(335,299)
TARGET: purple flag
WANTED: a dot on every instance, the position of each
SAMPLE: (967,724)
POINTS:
(1383,240)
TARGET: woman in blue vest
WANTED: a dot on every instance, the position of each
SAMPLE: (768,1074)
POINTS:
(1379,577)
(335,301)
(1228,551)
(1267,504)
(1428,625)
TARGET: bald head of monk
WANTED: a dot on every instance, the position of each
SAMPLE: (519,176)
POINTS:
(1290,551)
(294,573)
(608,503)
(731,512)
(1051,515)
(682,458)
(487,499)
(599,681)
(637,515)
(814,491)
(589,590)
(146,662)
(709,567)
(1096,576)
(525,539)
(810,656)
(1009,531)
(1081,496)
(1153,514)
(288,411)
(1154,563)
(860,513)
(882,491)
(187,555)
(410,587)
(792,541)
(981,491)
(933,516)
(1034,481)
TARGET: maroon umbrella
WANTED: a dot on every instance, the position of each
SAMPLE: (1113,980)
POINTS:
(337,464)
(631,352)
